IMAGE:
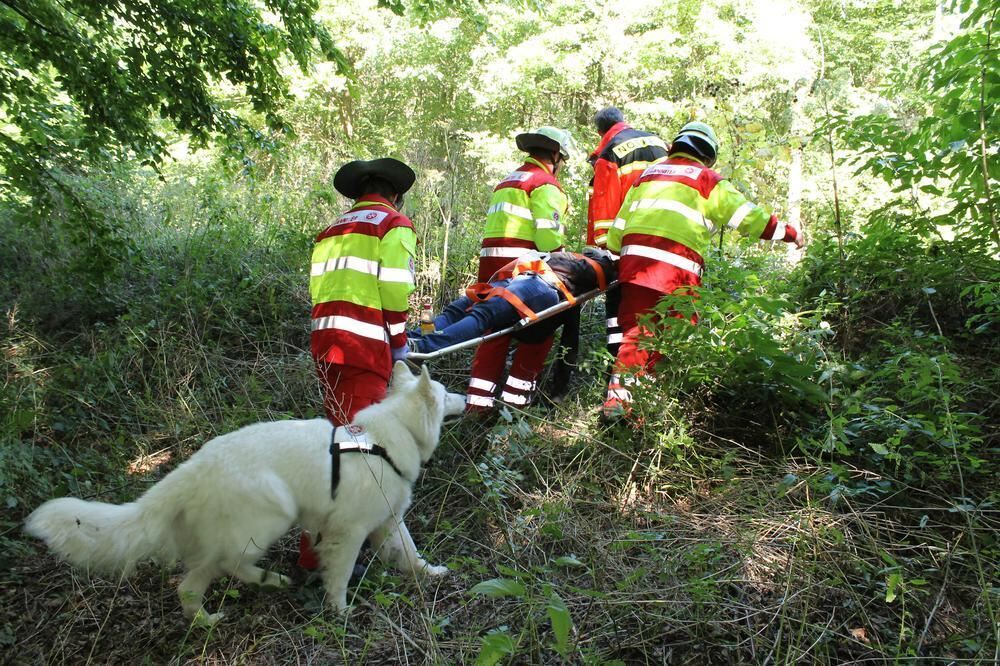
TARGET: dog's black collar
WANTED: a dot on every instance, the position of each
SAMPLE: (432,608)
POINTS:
(356,442)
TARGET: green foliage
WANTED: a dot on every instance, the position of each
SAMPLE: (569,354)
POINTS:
(748,348)
(701,535)
(534,595)
(898,408)
(85,85)
(83,80)
(934,146)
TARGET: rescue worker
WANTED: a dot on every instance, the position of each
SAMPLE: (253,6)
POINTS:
(527,212)
(619,159)
(528,207)
(521,289)
(662,232)
(360,282)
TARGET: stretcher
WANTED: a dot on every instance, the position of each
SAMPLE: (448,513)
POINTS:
(521,324)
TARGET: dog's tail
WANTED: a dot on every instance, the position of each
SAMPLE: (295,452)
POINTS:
(109,538)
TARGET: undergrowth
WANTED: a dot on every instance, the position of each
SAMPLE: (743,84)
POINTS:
(813,481)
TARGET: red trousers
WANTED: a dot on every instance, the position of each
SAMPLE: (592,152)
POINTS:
(633,360)
(487,370)
(348,390)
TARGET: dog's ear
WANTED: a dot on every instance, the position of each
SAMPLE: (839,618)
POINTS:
(425,381)
(401,373)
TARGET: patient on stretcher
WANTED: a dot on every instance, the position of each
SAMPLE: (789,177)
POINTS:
(520,290)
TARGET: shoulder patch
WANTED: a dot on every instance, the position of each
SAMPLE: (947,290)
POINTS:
(676,170)
(364,216)
(516,177)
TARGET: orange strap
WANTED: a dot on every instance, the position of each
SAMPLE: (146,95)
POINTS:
(570,298)
(479,292)
(542,269)
(482,291)
(602,281)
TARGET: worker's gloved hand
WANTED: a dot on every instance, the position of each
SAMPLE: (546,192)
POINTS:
(399,353)
(800,239)
(797,236)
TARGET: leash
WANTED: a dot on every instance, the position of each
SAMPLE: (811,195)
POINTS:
(354,439)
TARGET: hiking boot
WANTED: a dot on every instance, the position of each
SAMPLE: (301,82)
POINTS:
(614,411)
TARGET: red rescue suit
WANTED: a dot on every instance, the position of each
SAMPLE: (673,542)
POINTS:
(618,161)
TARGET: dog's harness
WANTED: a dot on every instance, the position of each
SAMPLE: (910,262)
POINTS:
(354,439)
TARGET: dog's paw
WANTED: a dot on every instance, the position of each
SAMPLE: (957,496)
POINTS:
(342,608)
(275,580)
(432,571)
(206,620)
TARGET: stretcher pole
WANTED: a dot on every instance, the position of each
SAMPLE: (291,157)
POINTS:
(562,306)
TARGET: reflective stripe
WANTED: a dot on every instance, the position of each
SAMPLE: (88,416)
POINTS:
(619,223)
(482,385)
(478,400)
(619,394)
(662,255)
(603,224)
(520,384)
(542,223)
(339,263)
(612,322)
(513,398)
(601,240)
(738,217)
(396,329)
(626,169)
(615,338)
(626,147)
(511,209)
(676,207)
(351,325)
(395,275)
(779,232)
(510,252)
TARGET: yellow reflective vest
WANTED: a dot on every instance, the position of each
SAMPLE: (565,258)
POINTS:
(361,277)
(527,212)
(669,217)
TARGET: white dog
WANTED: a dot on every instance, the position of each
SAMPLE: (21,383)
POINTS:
(220,510)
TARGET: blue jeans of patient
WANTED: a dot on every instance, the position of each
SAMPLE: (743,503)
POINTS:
(458,323)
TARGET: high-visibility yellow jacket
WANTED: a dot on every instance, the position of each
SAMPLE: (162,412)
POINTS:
(526,212)
(669,217)
(360,282)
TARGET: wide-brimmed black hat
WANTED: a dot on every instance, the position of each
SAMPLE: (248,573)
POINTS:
(350,178)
